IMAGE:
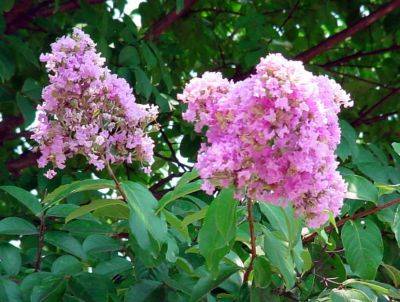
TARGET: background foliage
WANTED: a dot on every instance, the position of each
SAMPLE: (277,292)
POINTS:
(60,240)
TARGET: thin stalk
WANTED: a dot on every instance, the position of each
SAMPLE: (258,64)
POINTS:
(253,254)
(117,183)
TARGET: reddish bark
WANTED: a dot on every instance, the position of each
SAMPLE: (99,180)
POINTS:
(163,24)
(361,24)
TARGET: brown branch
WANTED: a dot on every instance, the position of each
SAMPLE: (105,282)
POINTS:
(8,125)
(377,118)
(363,23)
(164,181)
(23,12)
(162,25)
(26,160)
(310,237)
(366,112)
(252,240)
(375,83)
(359,54)
(172,150)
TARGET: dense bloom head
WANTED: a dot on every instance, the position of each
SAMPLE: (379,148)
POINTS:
(272,135)
(88,110)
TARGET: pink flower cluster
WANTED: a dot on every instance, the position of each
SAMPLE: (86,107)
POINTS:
(88,110)
(272,136)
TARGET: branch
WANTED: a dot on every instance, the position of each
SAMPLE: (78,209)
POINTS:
(375,83)
(164,181)
(365,113)
(309,238)
(26,160)
(172,150)
(162,25)
(359,54)
(327,44)
(363,23)
(23,12)
(377,118)
(8,125)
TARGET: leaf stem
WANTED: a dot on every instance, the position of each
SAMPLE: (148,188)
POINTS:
(253,255)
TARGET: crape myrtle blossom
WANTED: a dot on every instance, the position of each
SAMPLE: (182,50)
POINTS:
(272,135)
(88,110)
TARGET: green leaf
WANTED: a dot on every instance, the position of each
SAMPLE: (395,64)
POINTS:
(348,295)
(32,89)
(78,186)
(144,223)
(279,255)
(65,242)
(10,259)
(361,188)
(378,287)
(6,5)
(17,226)
(9,291)
(7,67)
(208,282)
(179,5)
(195,216)
(51,289)
(99,244)
(149,57)
(143,84)
(396,147)
(396,225)
(90,287)
(141,291)
(66,265)
(218,232)
(24,197)
(187,177)
(282,220)
(112,267)
(95,205)
(128,56)
(362,241)
(393,273)
(262,272)
(177,224)
(178,192)
(26,108)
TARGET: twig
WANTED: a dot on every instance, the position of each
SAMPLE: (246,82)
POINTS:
(171,148)
(289,16)
(360,54)
(339,223)
(164,181)
(252,240)
(42,230)
(374,119)
(357,78)
(366,112)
